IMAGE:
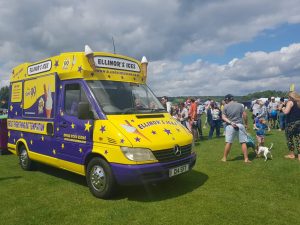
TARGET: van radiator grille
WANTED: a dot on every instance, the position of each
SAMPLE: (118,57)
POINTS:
(168,155)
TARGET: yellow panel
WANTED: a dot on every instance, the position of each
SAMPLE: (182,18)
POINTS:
(16,92)
(36,127)
(11,148)
(73,167)
(75,65)
(35,88)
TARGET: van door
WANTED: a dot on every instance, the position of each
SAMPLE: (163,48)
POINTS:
(73,135)
(38,115)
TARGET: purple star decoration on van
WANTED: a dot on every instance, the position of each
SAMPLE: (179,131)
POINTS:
(137,139)
(167,131)
(153,132)
(102,129)
(56,63)
(79,69)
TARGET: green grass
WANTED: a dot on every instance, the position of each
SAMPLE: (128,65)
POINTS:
(212,193)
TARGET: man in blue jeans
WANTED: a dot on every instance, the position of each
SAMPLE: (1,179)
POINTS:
(214,116)
(200,110)
(235,116)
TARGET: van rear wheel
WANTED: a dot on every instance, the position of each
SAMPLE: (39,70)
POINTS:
(100,178)
(25,161)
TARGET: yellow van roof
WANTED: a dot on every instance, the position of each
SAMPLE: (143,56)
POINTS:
(75,65)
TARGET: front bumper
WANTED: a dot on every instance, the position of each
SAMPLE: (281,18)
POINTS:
(148,173)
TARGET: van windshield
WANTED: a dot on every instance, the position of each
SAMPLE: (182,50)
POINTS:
(116,97)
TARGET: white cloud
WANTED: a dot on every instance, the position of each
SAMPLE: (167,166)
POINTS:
(32,30)
(256,71)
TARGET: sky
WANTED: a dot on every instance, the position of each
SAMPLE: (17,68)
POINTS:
(194,48)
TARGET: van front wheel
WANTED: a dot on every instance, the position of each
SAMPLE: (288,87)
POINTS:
(100,178)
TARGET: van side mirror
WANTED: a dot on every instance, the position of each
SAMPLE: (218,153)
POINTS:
(84,112)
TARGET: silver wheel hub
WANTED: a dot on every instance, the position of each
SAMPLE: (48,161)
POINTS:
(98,178)
(24,158)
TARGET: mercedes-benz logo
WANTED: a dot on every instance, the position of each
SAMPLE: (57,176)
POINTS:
(177,150)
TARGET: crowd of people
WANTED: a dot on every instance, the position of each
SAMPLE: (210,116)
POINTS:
(190,112)
(271,111)
(230,115)
(3,111)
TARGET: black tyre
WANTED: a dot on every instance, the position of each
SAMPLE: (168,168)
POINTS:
(25,161)
(100,178)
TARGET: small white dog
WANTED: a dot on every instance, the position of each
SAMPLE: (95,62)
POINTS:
(265,151)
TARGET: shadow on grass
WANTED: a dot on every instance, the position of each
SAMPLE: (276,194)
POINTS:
(5,152)
(251,155)
(206,138)
(172,188)
(10,178)
(62,174)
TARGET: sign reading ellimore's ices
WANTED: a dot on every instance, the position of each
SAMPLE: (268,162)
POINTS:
(116,63)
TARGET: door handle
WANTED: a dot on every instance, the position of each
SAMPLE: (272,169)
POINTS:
(63,125)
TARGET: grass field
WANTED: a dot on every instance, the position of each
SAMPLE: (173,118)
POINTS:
(212,193)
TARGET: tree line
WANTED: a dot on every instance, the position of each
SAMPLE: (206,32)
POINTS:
(4,96)
(245,98)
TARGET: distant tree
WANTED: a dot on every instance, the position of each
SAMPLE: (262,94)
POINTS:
(4,96)
(245,98)
(264,94)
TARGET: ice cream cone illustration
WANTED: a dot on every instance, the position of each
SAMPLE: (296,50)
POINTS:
(41,106)
(49,101)
(131,129)
(90,56)
(144,66)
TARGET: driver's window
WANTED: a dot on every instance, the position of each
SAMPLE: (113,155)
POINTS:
(73,95)
(140,98)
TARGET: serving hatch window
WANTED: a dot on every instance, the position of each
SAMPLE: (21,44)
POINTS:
(39,97)
(124,98)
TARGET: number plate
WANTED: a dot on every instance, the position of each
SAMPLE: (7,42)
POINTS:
(178,170)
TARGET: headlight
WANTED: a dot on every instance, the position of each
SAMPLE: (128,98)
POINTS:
(138,154)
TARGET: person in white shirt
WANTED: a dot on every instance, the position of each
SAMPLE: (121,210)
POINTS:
(273,112)
(183,115)
(168,105)
(200,110)
(255,109)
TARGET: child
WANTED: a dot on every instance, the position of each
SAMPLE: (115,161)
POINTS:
(260,127)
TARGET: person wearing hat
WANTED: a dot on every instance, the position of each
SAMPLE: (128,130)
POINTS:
(236,119)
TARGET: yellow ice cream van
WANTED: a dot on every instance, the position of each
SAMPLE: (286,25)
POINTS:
(92,113)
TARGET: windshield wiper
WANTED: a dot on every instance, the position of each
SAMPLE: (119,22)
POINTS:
(129,110)
(133,110)
(158,110)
